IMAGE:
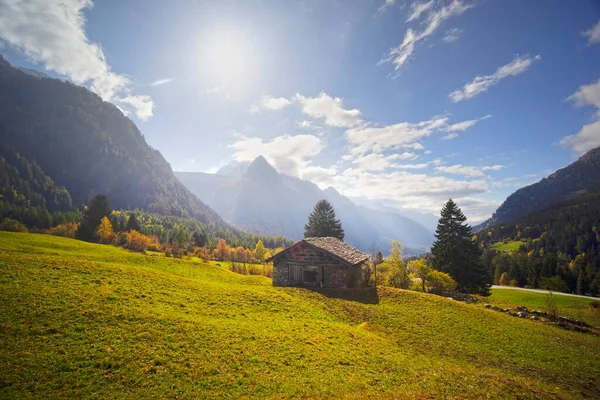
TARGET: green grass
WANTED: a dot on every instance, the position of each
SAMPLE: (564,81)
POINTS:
(568,306)
(82,320)
(508,246)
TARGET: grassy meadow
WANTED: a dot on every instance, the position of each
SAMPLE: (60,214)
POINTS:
(567,306)
(508,246)
(96,321)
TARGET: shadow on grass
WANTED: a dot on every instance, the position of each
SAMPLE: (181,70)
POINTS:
(359,295)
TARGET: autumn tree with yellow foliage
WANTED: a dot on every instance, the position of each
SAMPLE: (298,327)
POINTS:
(104,232)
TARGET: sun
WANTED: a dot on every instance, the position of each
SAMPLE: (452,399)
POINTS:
(229,60)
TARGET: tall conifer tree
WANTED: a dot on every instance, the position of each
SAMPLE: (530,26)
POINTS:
(132,223)
(323,223)
(97,209)
(455,253)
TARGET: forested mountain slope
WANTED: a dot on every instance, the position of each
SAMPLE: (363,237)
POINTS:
(28,195)
(560,247)
(88,146)
(579,177)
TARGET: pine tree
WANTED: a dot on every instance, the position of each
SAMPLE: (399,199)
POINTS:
(97,209)
(455,253)
(322,222)
(199,239)
(580,282)
(132,223)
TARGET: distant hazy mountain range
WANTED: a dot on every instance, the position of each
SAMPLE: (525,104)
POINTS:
(580,177)
(257,198)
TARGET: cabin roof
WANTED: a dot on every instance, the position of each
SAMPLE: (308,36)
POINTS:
(332,246)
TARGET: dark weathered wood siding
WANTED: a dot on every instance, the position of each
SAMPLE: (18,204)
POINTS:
(288,268)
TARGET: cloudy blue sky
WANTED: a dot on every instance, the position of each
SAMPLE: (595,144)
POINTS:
(407,103)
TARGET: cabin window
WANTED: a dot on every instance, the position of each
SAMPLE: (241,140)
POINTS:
(310,275)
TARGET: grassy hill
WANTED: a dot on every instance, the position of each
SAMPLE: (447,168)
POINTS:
(85,320)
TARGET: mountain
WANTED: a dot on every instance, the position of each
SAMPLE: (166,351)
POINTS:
(234,168)
(28,195)
(33,72)
(558,247)
(88,146)
(428,220)
(262,200)
(580,177)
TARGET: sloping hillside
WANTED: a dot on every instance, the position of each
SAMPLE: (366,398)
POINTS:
(577,178)
(260,199)
(88,146)
(81,320)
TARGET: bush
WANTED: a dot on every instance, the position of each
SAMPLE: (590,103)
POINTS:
(136,241)
(68,230)
(153,247)
(440,282)
(12,225)
(399,278)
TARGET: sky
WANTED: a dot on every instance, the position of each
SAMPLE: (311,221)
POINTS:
(406,103)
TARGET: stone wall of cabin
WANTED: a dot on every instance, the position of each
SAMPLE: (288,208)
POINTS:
(305,257)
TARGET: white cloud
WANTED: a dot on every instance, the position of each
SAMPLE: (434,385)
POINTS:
(387,4)
(398,56)
(53,33)
(379,162)
(270,103)
(588,137)
(461,127)
(418,191)
(587,95)
(452,35)
(450,136)
(466,170)
(329,108)
(161,82)
(403,135)
(482,83)
(288,154)
(593,34)
(418,8)
(305,124)
(141,103)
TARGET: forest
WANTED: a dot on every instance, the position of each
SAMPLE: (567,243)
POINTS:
(558,247)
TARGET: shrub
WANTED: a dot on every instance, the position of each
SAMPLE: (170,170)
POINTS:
(12,225)
(399,278)
(441,282)
(68,230)
(136,241)
(551,307)
(153,247)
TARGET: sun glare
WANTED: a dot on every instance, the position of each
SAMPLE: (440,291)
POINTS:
(229,60)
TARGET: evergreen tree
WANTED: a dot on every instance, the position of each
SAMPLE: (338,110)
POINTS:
(322,222)
(199,239)
(455,253)
(132,223)
(97,209)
